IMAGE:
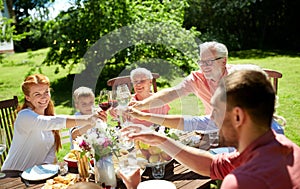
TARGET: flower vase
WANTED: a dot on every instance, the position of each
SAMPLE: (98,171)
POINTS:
(105,172)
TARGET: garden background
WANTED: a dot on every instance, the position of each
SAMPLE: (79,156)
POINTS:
(171,32)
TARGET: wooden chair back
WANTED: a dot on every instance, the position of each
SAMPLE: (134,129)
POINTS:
(114,82)
(7,117)
(274,76)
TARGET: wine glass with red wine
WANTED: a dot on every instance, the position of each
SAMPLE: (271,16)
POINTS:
(105,100)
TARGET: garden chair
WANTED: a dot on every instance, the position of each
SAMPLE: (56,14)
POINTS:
(114,82)
(274,76)
(7,117)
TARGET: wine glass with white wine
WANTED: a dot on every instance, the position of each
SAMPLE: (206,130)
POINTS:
(2,146)
(123,97)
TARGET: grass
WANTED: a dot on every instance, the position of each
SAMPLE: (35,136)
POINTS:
(15,67)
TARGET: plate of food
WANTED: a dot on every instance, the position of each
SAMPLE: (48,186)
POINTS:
(151,155)
(40,172)
(61,182)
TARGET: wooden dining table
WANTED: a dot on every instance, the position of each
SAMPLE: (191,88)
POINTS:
(176,173)
(180,175)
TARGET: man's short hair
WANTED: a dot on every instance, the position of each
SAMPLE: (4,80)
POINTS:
(250,90)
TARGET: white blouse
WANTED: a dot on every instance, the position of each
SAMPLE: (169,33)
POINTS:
(33,140)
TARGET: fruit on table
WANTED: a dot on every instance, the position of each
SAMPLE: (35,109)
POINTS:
(154,150)
(71,155)
(151,153)
(165,156)
(141,155)
(154,158)
(143,145)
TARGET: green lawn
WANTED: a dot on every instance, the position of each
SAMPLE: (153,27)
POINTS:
(15,67)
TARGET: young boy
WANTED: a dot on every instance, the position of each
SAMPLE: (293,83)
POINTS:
(84,100)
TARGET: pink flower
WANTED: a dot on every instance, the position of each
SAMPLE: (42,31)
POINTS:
(84,145)
(106,143)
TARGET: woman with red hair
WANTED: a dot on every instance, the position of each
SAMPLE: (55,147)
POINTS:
(36,136)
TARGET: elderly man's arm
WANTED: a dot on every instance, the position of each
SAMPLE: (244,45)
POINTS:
(157,99)
(171,121)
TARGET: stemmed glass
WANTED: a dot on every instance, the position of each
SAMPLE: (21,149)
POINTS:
(105,100)
(123,97)
(2,146)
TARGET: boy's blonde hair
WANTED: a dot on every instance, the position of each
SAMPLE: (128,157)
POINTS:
(82,92)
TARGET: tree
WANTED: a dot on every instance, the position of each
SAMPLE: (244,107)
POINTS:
(115,35)
(32,28)
(246,24)
(7,29)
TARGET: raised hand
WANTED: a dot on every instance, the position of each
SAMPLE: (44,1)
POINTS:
(144,134)
(135,113)
(139,105)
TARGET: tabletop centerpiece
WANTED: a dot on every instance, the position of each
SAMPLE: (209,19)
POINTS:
(100,143)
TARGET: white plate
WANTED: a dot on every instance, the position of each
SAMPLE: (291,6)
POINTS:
(150,184)
(40,172)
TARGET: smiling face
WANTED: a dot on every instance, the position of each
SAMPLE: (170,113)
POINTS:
(142,86)
(216,69)
(39,97)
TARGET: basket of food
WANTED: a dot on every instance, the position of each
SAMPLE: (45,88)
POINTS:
(71,159)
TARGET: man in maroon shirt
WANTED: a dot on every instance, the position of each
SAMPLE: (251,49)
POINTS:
(243,108)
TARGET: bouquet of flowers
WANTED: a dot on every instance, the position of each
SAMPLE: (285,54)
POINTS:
(99,141)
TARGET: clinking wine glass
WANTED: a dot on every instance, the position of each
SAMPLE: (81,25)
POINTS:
(105,100)
(123,97)
(114,106)
(2,146)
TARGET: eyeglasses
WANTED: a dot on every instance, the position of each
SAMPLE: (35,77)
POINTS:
(207,62)
(142,81)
